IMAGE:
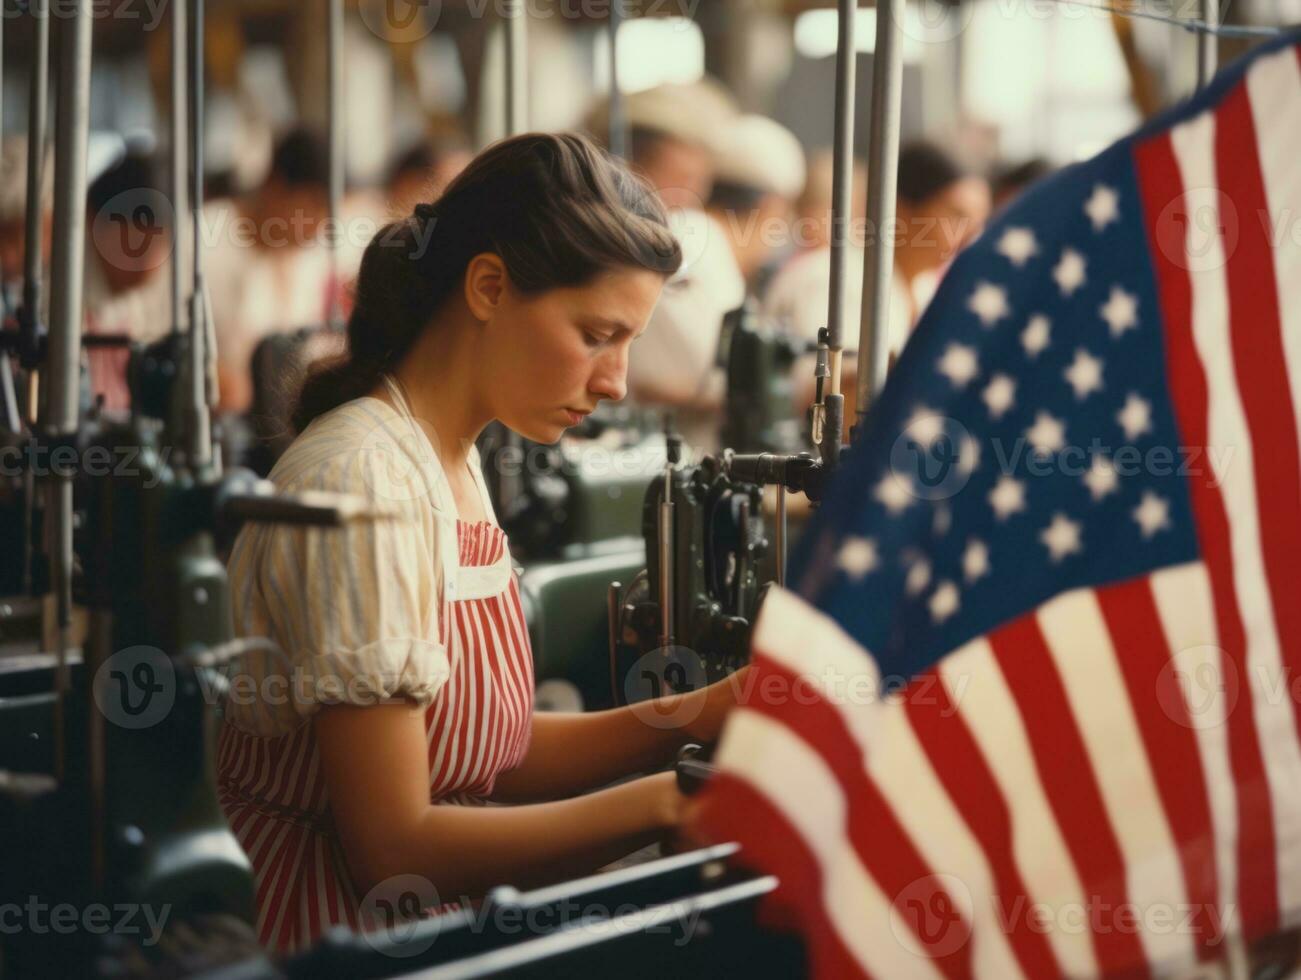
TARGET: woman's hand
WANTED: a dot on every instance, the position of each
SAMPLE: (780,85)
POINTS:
(717,700)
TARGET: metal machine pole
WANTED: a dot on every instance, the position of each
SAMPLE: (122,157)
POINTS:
(334,108)
(29,322)
(1207,42)
(882,179)
(516,67)
(198,426)
(618,124)
(842,181)
(180,214)
(829,409)
(67,265)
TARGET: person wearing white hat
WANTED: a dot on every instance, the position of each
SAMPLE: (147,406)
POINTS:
(759,173)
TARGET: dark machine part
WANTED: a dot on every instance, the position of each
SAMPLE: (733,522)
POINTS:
(694,603)
(690,914)
(759,413)
(578,498)
(113,800)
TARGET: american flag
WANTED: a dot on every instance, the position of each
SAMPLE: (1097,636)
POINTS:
(1031,707)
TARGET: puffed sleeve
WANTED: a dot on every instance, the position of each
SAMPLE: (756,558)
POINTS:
(357,608)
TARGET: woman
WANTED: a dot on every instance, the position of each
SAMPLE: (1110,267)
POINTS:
(515,296)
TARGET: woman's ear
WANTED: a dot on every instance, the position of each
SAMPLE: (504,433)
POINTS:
(485,284)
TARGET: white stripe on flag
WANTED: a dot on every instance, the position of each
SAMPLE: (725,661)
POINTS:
(1230,440)
(985,703)
(1184,603)
(1076,635)
(1274,88)
(808,642)
(906,777)
(799,785)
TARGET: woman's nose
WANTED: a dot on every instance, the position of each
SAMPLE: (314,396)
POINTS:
(611,377)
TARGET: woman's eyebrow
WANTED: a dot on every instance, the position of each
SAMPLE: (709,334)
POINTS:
(605,321)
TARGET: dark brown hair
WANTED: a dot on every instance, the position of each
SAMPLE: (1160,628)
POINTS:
(556,208)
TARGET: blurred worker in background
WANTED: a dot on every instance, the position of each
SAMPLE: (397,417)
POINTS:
(422,171)
(673,131)
(1011,181)
(268,267)
(941,207)
(759,174)
(126,292)
(13,216)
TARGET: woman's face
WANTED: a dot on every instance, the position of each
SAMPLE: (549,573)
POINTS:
(556,354)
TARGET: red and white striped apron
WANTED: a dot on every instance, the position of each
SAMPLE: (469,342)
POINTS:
(272,788)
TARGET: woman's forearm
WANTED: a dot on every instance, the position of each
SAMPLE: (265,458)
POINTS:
(464,851)
(571,753)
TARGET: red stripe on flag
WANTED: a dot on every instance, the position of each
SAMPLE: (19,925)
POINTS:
(769,843)
(1162,188)
(962,768)
(1134,624)
(1071,787)
(873,828)
(1260,363)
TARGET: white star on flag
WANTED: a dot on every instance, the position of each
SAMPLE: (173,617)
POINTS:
(975,560)
(959,364)
(1069,271)
(1152,514)
(1061,537)
(944,603)
(989,302)
(1034,338)
(1047,435)
(1136,417)
(857,557)
(918,577)
(1103,206)
(1101,478)
(1007,497)
(1120,311)
(968,455)
(925,425)
(894,493)
(999,395)
(1084,374)
(942,521)
(1018,245)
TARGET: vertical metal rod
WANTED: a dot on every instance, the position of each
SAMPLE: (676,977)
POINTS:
(781,534)
(37,101)
(179,175)
(842,180)
(198,423)
(1208,42)
(666,562)
(30,323)
(67,265)
(334,108)
(618,134)
(882,179)
(516,66)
